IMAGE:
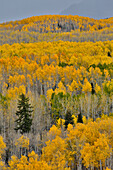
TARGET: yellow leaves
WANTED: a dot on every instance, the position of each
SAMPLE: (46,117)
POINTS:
(91,142)
(13,162)
(87,86)
(84,120)
(21,90)
(44,60)
(60,123)
(37,64)
(23,163)
(73,87)
(54,59)
(97,72)
(42,165)
(91,133)
(33,157)
(74,119)
(2,146)
(14,92)
(53,132)
(92,154)
(49,94)
(22,142)
(73,60)
(107,76)
(2,166)
(108,87)
(17,80)
(97,89)
(108,168)
(60,88)
(54,153)
(87,154)
(70,127)
(102,148)
(49,23)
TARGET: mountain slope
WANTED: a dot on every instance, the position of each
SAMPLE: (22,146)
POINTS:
(91,8)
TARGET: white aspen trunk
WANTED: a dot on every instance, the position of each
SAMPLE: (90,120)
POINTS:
(100,165)
(88,106)
(110,163)
(41,90)
(79,165)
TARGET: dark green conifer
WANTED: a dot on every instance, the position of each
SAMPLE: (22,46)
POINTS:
(68,119)
(79,120)
(24,115)
(93,90)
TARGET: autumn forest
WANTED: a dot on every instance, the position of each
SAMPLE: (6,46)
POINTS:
(56,93)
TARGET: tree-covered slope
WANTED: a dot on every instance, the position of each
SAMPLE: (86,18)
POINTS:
(56,27)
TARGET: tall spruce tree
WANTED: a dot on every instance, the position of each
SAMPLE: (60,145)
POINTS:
(24,115)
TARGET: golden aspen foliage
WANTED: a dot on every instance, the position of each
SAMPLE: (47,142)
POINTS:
(53,132)
(84,120)
(22,142)
(87,86)
(74,86)
(2,147)
(74,119)
(92,154)
(108,168)
(2,166)
(60,123)
(54,153)
(102,148)
(49,94)
(13,162)
(97,89)
(88,155)
(60,88)
(23,163)
(69,56)
(16,91)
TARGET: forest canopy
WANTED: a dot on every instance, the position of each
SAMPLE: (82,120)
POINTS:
(63,68)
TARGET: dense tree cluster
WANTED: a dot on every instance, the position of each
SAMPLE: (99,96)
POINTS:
(57,23)
(78,147)
(56,27)
(56,97)
(63,80)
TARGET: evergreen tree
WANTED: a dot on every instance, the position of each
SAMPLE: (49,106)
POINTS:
(79,120)
(24,114)
(93,90)
(68,119)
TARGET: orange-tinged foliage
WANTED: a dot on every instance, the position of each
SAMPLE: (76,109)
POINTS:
(22,65)
(91,142)
(71,71)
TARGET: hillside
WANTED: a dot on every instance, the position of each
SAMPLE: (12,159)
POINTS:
(60,78)
(56,93)
(56,27)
